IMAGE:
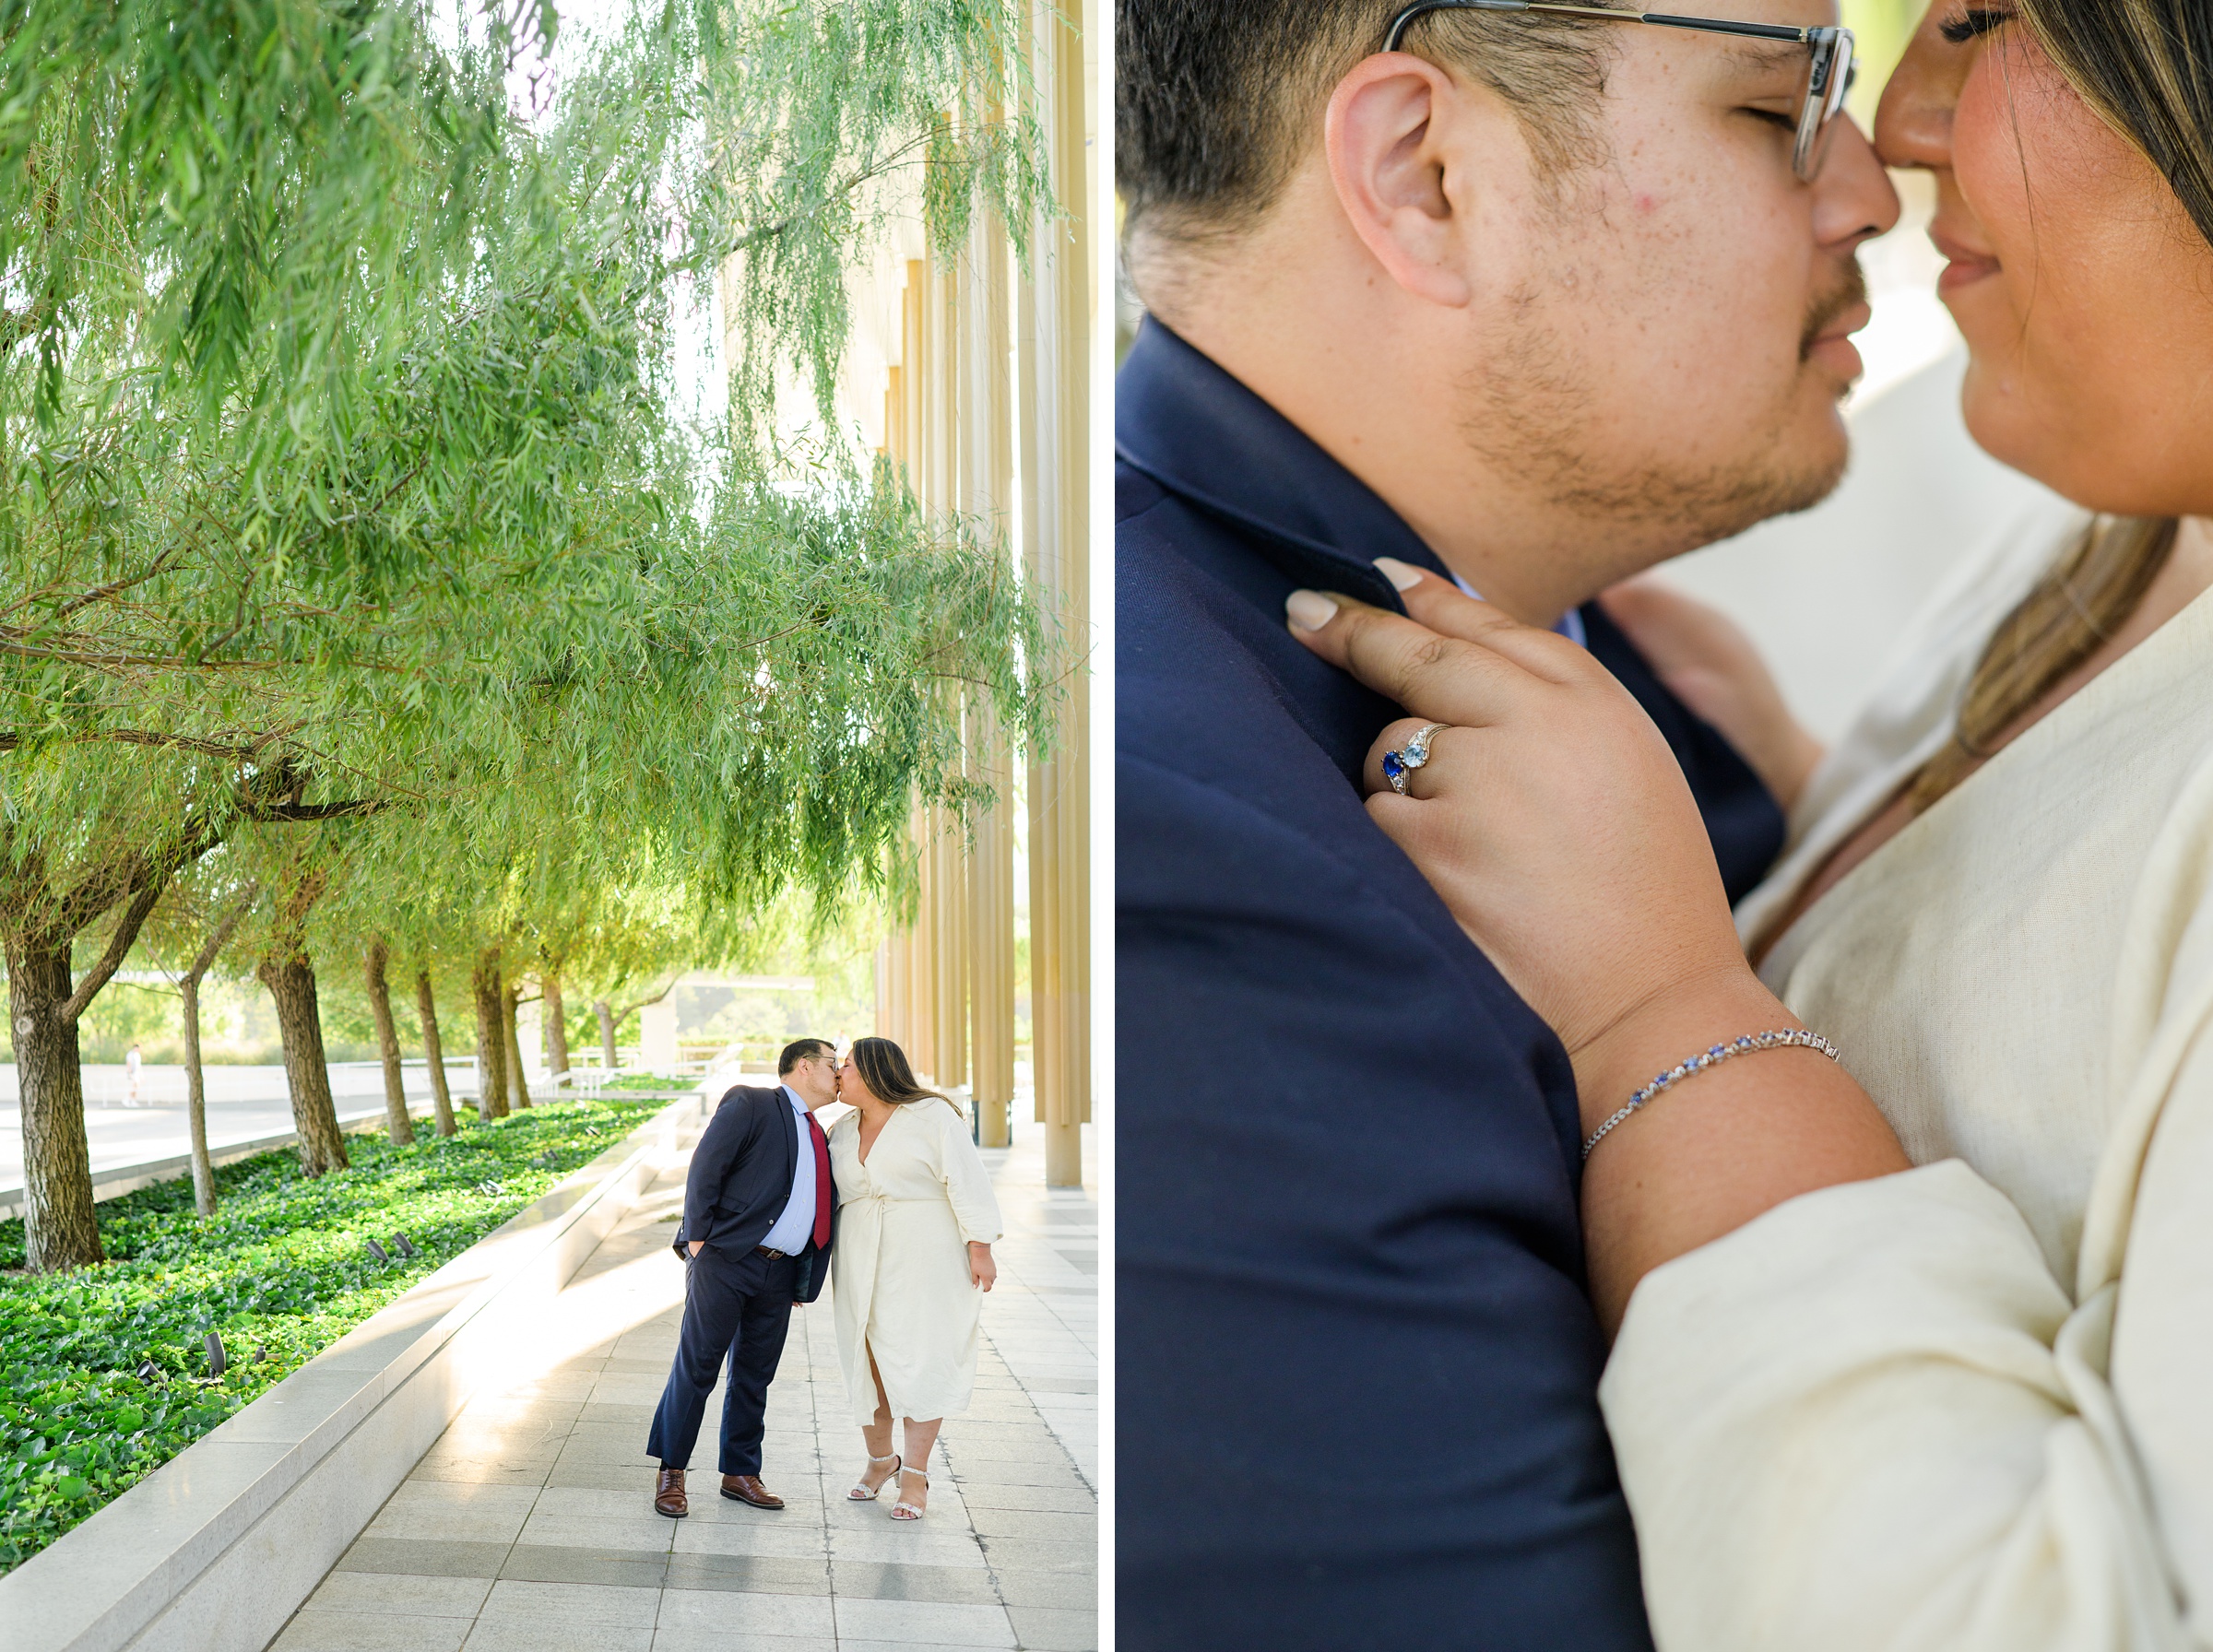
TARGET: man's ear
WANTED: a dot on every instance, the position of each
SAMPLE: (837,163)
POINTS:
(1381,135)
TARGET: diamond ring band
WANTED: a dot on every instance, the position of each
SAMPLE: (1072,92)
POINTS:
(1404,760)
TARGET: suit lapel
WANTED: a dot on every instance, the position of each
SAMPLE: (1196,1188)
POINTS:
(788,1157)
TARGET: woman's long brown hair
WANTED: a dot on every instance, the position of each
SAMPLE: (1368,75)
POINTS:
(884,1069)
(2146,67)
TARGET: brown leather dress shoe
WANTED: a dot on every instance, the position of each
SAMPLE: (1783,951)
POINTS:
(747,1488)
(668,1494)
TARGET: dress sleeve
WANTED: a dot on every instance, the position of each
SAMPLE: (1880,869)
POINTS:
(967,1183)
(1872,1421)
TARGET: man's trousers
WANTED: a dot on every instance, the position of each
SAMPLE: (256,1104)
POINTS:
(734,1307)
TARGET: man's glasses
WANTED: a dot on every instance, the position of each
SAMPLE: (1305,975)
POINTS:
(1828,76)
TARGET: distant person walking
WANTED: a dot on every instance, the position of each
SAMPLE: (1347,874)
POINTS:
(759,1218)
(919,1219)
(130,1077)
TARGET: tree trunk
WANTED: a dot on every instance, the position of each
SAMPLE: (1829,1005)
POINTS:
(195,1101)
(518,1092)
(606,1013)
(291,985)
(60,1228)
(492,1043)
(397,1124)
(557,1032)
(195,1077)
(442,1099)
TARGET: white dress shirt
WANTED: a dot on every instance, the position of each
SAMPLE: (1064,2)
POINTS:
(796,1226)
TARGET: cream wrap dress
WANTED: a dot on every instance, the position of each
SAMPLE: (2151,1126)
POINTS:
(899,1274)
(1969,1407)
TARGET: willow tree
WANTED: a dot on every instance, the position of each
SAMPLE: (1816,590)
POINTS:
(343,481)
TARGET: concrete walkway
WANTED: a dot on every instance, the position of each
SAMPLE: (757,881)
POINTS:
(529,1526)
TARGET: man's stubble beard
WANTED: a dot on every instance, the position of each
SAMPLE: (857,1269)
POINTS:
(1531,416)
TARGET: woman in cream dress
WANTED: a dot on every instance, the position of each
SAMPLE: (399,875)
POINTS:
(916,1219)
(1933,1370)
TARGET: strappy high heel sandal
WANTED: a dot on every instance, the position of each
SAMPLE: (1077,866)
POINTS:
(862,1492)
(903,1509)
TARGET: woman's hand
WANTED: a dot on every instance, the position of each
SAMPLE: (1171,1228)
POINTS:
(981,1267)
(1551,815)
(1557,826)
(1710,664)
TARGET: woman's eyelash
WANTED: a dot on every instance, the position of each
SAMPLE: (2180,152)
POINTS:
(1974,21)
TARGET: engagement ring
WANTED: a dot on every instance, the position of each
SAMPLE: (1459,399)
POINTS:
(1402,762)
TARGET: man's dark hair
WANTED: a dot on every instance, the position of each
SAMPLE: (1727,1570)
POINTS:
(1215,101)
(802,1049)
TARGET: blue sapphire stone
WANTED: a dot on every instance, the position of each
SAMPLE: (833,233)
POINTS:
(1394,765)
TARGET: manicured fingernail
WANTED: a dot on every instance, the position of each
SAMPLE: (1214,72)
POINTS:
(1404,577)
(1309,611)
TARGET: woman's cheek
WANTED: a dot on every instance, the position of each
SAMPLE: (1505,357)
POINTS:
(2026,161)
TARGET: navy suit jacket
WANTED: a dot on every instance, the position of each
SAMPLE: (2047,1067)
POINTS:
(740,1181)
(1358,1363)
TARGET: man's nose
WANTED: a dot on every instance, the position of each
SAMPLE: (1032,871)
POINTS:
(1855,200)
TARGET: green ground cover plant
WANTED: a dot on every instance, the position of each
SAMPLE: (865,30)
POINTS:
(104,1370)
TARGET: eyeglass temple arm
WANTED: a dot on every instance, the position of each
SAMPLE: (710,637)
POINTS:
(1766,31)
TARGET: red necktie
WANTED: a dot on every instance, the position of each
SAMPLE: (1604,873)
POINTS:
(822,1195)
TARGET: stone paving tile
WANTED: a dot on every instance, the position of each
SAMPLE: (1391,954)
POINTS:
(316,1630)
(936,1622)
(805,1541)
(460,1513)
(1029,1555)
(641,1532)
(607,1443)
(424,1557)
(406,1594)
(901,1580)
(896,1544)
(599,1477)
(731,1611)
(611,1606)
(546,1562)
(554,1635)
(983,1495)
(1056,1629)
(1070,1590)
(998,1472)
(481,1471)
(722,1640)
(749,1574)
(529,1527)
(1033,1522)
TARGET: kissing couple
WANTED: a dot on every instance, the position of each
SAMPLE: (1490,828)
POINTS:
(892,1205)
(1520,1248)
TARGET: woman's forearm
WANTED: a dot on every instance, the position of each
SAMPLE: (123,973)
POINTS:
(1719,1147)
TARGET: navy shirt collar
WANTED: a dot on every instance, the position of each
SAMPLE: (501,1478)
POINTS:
(1201,434)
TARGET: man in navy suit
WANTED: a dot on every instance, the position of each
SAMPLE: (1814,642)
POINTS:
(759,1217)
(1534,303)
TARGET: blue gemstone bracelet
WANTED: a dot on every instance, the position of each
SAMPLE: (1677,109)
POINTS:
(1785,1038)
